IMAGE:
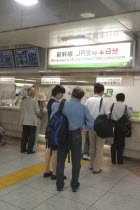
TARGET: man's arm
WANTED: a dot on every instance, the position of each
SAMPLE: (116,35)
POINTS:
(106,109)
(37,110)
(89,119)
(3,136)
(129,113)
(55,109)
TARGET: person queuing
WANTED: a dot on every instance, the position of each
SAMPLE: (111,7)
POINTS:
(117,148)
(51,152)
(29,112)
(42,104)
(96,143)
(2,136)
(86,147)
(77,115)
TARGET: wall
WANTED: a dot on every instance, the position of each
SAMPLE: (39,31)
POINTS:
(130,87)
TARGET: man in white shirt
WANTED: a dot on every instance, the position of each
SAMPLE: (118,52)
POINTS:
(96,143)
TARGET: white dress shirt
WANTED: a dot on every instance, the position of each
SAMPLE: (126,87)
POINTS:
(93,105)
(118,111)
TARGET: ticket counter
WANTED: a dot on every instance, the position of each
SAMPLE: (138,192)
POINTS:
(10,121)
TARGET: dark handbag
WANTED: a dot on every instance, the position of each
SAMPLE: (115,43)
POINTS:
(103,126)
(123,125)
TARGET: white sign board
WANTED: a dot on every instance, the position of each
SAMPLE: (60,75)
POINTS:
(7,80)
(109,81)
(106,55)
(50,81)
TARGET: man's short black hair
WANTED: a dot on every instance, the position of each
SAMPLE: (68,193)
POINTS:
(120,97)
(98,88)
(78,93)
(58,89)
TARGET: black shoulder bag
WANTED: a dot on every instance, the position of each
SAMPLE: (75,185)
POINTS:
(123,125)
(103,126)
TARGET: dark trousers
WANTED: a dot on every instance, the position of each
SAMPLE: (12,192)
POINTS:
(86,146)
(117,148)
(75,146)
(28,136)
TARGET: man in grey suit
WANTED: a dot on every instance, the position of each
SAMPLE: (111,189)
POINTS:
(29,112)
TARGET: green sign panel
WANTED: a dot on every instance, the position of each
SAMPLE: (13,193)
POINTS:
(107,55)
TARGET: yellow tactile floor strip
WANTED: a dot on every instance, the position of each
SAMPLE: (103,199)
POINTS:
(23,174)
(82,161)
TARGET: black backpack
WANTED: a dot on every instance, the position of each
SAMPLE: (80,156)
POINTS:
(57,128)
(103,126)
(123,125)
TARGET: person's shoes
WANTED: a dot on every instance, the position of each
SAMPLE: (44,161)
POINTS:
(120,163)
(53,177)
(97,172)
(23,151)
(31,152)
(4,143)
(75,189)
(85,157)
(91,169)
(46,175)
(59,189)
(88,158)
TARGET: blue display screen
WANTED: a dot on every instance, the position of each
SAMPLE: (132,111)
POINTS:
(26,58)
(6,59)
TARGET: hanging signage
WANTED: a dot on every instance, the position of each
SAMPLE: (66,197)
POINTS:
(109,80)
(7,80)
(106,55)
(50,80)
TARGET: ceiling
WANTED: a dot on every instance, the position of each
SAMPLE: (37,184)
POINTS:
(46,23)
(101,30)
(16,16)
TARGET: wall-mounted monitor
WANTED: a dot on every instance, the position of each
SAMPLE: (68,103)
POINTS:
(26,57)
(6,59)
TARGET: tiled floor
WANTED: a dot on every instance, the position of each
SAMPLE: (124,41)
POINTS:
(116,188)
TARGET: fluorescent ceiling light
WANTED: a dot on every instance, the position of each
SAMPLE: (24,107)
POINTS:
(3,78)
(23,84)
(27,2)
(30,80)
(83,81)
(87,15)
(77,40)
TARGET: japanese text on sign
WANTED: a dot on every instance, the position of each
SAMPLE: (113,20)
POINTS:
(91,56)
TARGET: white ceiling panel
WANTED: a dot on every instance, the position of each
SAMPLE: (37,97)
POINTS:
(16,16)
(130,20)
(119,6)
(137,4)
(10,15)
(45,13)
(99,30)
